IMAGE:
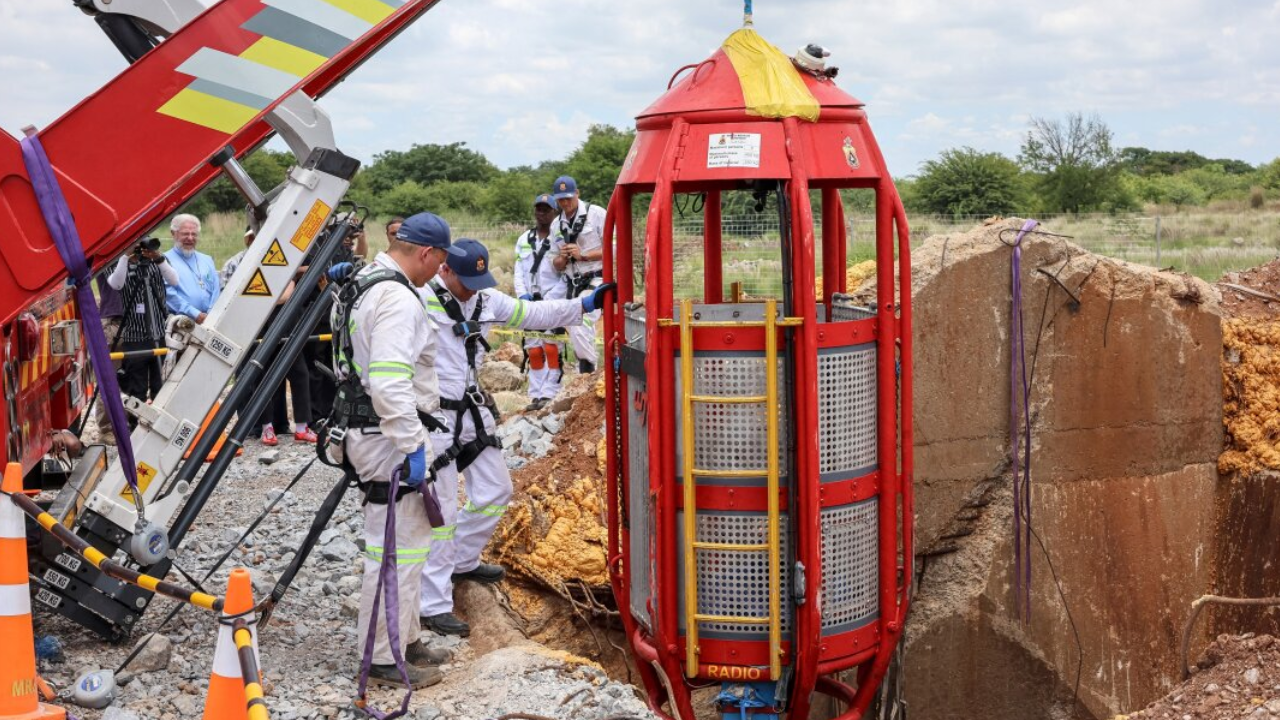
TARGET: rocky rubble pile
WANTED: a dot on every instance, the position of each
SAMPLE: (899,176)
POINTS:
(1238,677)
(309,648)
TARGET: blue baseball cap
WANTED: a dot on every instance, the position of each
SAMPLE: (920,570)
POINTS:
(471,265)
(544,199)
(427,229)
(564,187)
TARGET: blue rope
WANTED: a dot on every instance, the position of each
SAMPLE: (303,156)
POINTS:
(749,699)
(746,12)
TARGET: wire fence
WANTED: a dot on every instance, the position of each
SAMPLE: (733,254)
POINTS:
(1206,245)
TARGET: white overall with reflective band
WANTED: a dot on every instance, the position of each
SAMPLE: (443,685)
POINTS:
(456,547)
(544,380)
(393,342)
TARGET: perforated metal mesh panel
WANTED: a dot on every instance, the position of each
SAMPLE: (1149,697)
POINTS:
(641,512)
(728,436)
(850,566)
(847,409)
(737,583)
(844,308)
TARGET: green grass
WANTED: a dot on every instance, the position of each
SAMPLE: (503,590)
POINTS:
(222,235)
(1203,242)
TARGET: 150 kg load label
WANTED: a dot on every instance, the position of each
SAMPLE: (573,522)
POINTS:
(728,150)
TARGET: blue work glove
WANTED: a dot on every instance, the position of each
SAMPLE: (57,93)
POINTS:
(596,300)
(340,271)
(526,297)
(415,467)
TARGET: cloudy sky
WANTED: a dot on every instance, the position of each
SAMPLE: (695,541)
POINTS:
(521,81)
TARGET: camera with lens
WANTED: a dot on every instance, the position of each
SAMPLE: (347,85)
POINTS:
(146,243)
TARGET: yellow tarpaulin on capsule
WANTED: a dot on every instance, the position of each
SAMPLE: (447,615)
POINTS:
(771,85)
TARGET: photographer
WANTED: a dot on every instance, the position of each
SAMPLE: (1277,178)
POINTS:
(142,276)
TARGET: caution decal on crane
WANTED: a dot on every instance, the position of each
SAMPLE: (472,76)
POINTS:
(257,286)
(275,256)
(297,37)
(311,225)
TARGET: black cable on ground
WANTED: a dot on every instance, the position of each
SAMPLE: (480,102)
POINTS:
(234,546)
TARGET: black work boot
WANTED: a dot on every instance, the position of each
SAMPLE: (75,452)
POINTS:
(586,367)
(419,677)
(483,573)
(446,624)
(422,656)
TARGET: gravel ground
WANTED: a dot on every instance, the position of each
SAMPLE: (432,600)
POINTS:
(309,648)
(1238,677)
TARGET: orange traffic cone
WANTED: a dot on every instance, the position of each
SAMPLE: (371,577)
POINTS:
(19,698)
(226,698)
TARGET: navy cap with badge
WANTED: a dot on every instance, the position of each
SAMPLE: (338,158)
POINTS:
(427,229)
(471,265)
(545,199)
(564,187)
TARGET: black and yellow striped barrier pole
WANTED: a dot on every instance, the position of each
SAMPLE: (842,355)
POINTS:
(111,567)
(161,352)
(256,705)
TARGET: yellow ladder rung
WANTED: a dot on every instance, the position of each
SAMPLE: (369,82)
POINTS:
(731,547)
(773,547)
(729,399)
(785,322)
(731,619)
(729,473)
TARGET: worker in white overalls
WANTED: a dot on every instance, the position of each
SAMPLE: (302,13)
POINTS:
(536,278)
(384,357)
(581,259)
(463,303)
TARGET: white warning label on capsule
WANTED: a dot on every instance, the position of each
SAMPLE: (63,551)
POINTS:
(728,150)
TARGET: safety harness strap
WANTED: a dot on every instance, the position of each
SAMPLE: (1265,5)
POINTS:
(471,403)
(468,328)
(539,252)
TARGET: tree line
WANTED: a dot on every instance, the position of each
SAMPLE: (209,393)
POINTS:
(1071,165)
(1064,165)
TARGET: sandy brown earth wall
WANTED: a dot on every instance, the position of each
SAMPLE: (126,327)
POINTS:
(1126,407)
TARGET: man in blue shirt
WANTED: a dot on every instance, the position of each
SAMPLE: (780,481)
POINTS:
(198,283)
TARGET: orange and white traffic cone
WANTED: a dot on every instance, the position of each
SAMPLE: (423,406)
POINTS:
(19,686)
(226,698)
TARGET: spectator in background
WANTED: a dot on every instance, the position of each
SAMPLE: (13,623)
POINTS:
(393,226)
(111,307)
(229,267)
(143,276)
(198,285)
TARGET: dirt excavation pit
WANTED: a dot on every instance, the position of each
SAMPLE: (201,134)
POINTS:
(1155,450)
(553,536)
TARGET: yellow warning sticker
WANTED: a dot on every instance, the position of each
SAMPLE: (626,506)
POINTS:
(311,226)
(257,285)
(146,474)
(275,256)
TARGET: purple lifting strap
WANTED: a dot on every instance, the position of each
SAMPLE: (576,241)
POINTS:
(388,583)
(1019,389)
(57,216)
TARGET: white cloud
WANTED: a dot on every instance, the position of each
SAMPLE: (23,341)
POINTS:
(521,82)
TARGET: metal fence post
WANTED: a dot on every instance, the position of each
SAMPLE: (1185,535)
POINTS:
(1157,241)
